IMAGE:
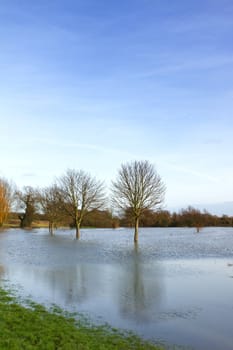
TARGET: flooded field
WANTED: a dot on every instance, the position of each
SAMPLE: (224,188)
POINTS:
(175,285)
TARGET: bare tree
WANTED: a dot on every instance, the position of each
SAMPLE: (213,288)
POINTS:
(50,201)
(80,193)
(27,199)
(138,188)
(193,218)
(6,199)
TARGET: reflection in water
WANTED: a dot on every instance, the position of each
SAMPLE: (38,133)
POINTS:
(132,288)
(68,286)
(1,271)
(140,289)
(161,288)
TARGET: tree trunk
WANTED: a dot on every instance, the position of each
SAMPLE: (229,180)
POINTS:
(77,230)
(25,220)
(21,218)
(51,228)
(136,230)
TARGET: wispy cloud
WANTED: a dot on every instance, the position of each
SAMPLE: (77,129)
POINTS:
(202,22)
(28,175)
(190,64)
(88,84)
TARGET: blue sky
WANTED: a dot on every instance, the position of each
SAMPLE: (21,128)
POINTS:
(93,84)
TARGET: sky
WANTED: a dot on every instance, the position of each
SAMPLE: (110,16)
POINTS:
(94,84)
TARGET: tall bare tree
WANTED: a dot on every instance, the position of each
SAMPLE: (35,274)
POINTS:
(80,193)
(49,199)
(138,188)
(6,199)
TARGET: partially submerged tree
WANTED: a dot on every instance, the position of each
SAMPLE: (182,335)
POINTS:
(6,199)
(193,218)
(138,188)
(80,193)
(27,199)
(49,199)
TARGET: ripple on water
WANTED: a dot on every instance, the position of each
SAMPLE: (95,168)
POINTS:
(174,285)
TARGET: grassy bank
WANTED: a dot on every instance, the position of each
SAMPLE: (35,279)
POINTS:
(33,327)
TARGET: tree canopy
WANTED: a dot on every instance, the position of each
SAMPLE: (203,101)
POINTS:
(80,193)
(6,199)
(138,187)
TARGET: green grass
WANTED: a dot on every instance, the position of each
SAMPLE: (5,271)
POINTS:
(34,327)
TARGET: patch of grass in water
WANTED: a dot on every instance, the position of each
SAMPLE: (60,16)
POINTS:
(34,327)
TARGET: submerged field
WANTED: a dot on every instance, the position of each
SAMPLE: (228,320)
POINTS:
(176,286)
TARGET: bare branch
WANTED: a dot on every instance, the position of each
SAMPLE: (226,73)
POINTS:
(138,187)
(80,193)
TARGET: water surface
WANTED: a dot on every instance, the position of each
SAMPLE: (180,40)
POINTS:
(175,285)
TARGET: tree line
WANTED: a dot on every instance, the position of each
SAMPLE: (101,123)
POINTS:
(77,199)
(186,217)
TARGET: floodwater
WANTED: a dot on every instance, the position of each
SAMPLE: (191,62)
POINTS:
(175,286)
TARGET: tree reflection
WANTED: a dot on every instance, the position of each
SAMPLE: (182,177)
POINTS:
(2,270)
(140,290)
(2,273)
(65,286)
(130,290)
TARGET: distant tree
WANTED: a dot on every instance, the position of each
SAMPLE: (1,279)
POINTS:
(115,221)
(126,217)
(138,187)
(162,218)
(99,218)
(80,193)
(50,201)
(148,218)
(27,199)
(225,220)
(209,219)
(6,199)
(192,217)
(174,219)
